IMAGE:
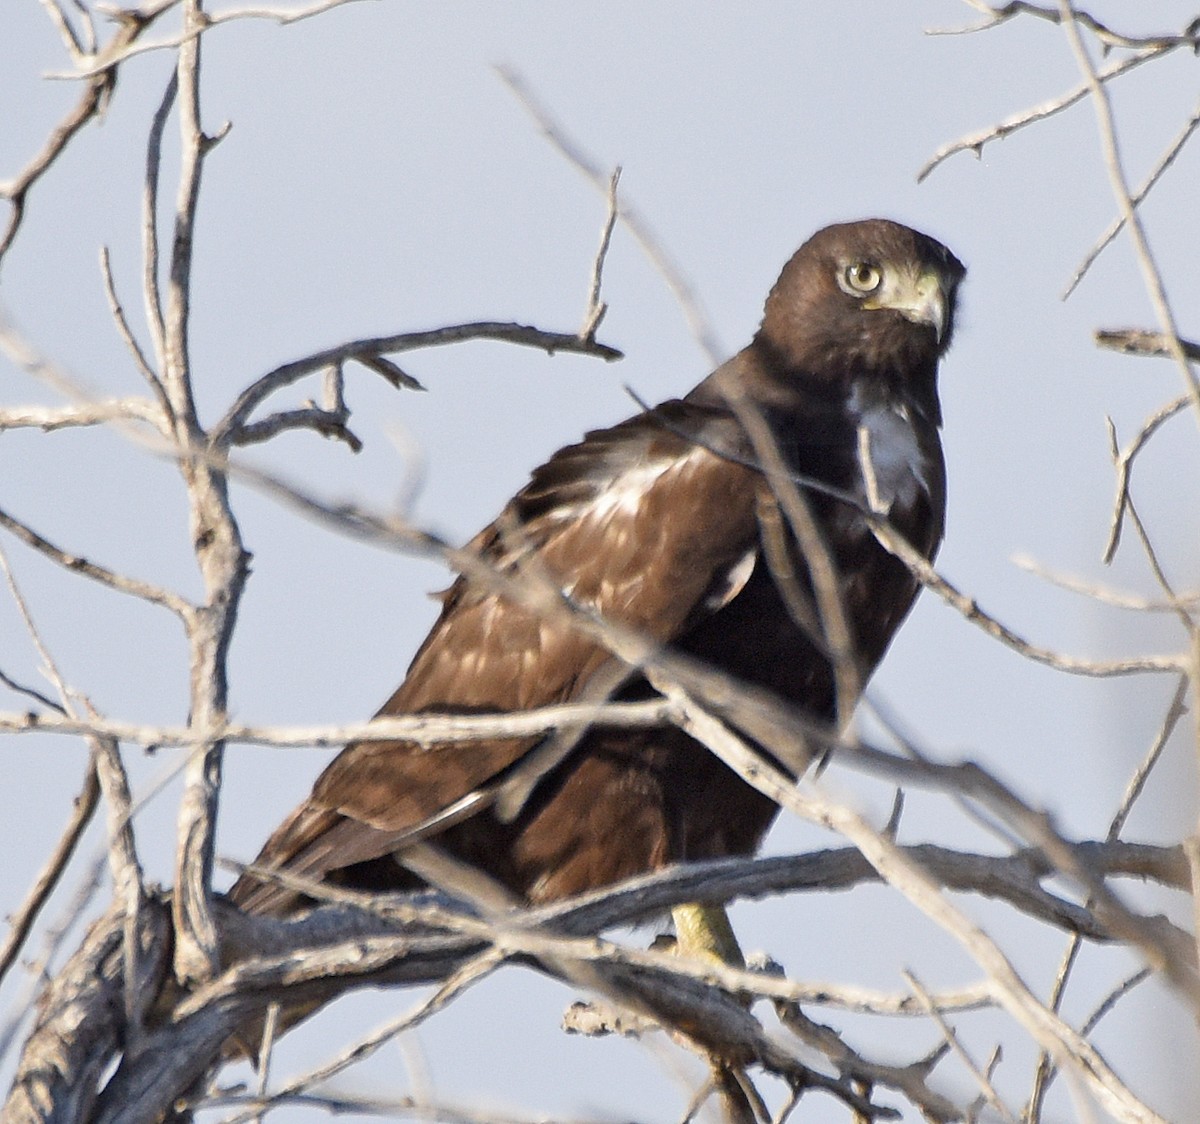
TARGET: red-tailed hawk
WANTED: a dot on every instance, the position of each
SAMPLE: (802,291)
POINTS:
(659,524)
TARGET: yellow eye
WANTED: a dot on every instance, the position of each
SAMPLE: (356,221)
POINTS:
(863,277)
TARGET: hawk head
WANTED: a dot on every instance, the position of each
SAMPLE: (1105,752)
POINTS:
(863,299)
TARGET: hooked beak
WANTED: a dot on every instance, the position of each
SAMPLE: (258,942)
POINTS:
(924,302)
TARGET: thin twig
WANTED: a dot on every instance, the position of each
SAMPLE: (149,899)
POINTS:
(950,1037)
(1123,460)
(151,288)
(132,345)
(1105,594)
(1141,341)
(311,419)
(472,972)
(90,105)
(975,142)
(980,1102)
(1156,567)
(270,1026)
(1113,997)
(685,296)
(911,1079)
(1046,1070)
(110,773)
(363,350)
(596,308)
(1138,197)
(998,14)
(102,575)
(970,610)
(30,693)
(88,66)
(20,920)
(1120,187)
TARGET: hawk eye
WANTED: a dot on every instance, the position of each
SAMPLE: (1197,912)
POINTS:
(863,277)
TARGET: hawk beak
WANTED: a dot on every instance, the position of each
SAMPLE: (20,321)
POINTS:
(925,302)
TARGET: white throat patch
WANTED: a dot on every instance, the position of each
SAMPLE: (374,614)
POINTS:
(893,469)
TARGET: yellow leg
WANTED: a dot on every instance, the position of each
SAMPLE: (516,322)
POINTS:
(703,931)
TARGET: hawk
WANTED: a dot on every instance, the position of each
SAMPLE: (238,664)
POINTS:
(663,524)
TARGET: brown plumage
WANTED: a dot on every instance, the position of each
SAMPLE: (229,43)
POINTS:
(657,523)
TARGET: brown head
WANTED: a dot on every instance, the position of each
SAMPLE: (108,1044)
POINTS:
(869,298)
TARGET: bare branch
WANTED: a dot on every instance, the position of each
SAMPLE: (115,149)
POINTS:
(151,290)
(998,14)
(968,608)
(22,918)
(85,408)
(471,972)
(982,1079)
(110,775)
(428,729)
(672,989)
(394,374)
(908,1079)
(30,693)
(1046,1070)
(368,351)
(78,1028)
(91,104)
(97,573)
(1123,462)
(330,949)
(1065,1044)
(1107,595)
(1118,224)
(80,414)
(596,307)
(697,319)
(1143,341)
(221,557)
(88,66)
(1112,159)
(1175,711)
(1113,997)
(975,142)
(313,419)
(1182,611)
(131,343)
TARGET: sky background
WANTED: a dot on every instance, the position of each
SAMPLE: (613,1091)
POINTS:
(378,177)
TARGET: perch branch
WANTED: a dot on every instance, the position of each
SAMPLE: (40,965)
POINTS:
(365,350)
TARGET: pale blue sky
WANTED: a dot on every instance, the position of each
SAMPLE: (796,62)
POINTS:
(379,177)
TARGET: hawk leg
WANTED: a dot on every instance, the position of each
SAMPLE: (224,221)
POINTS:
(704,932)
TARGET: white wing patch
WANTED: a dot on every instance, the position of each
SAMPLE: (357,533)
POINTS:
(623,492)
(733,582)
(613,509)
(893,467)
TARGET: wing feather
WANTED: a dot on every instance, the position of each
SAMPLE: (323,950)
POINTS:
(643,523)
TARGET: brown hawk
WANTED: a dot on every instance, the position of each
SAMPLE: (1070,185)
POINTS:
(658,524)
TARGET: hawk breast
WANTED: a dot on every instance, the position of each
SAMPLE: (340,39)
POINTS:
(895,467)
